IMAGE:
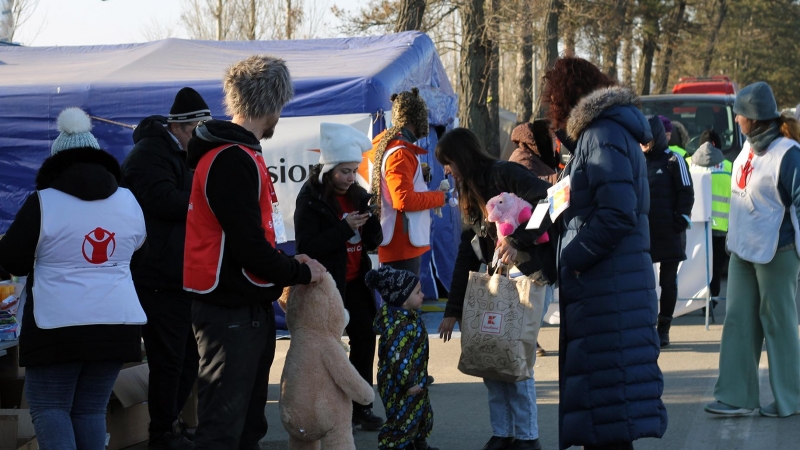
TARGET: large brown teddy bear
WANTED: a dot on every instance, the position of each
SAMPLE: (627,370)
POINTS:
(318,384)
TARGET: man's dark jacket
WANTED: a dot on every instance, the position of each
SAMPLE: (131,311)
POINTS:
(157,174)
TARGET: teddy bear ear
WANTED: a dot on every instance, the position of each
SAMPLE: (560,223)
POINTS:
(415,91)
(393,97)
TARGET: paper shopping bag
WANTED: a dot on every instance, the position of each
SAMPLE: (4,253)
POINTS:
(499,326)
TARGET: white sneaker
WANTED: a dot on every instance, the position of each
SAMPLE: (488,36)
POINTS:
(727,410)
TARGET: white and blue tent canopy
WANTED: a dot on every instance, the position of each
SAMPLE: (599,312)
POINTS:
(126,83)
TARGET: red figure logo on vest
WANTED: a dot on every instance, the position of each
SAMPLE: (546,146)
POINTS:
(98,246)
(745,172)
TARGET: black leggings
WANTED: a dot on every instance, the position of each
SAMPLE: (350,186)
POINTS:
(668,280)
(360,303)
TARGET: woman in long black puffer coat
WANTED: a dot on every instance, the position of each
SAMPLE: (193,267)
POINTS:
(671,200)
(610,385)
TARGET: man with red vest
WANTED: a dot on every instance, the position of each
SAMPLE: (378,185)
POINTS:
(231,265)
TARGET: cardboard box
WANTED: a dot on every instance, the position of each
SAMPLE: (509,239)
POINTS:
(127,418)
(16,429)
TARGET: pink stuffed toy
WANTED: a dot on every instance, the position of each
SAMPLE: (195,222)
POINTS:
(509,211)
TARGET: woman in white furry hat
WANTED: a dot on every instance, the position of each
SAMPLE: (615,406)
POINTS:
(76,238)
(334,226)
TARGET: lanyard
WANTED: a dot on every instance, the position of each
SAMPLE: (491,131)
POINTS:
(260,162)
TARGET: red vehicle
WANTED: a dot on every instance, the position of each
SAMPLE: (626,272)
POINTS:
(720,85)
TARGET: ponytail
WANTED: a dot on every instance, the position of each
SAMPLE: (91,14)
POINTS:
(790,127)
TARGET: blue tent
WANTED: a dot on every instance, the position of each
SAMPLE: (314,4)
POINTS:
(125,83)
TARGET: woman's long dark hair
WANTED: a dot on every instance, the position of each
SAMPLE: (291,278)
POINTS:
(353,194)
(462,149)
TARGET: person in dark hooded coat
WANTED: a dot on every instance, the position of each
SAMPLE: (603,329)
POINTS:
(671,201)
(535,149)
(610,385)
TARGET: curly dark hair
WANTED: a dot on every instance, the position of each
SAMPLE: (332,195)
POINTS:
(566,83)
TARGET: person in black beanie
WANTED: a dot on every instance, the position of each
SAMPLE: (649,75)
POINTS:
(402,360)
(157,174)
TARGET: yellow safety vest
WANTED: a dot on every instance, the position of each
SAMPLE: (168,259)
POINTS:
(678,150)
(721,195)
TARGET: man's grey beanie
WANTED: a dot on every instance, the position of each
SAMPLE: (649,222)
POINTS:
(756,102)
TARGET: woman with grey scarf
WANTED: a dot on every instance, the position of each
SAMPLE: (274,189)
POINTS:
(765,261)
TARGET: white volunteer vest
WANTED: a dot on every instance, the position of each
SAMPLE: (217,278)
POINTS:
(756,207)
(82,267)
(419,222)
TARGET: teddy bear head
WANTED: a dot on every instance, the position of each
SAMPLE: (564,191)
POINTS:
(316,306)
(501,207)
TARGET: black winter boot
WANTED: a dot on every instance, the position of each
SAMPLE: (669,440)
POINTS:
(366,418)
(664,323)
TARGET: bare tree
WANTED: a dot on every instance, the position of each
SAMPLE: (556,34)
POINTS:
(475,67)
(670,34)
(492,138)
(550,36)
(524,90)
(242,19)
(410,15)
(716,18)
(14,14)
(612,25)
(157,30)
(651,14)
(628,47)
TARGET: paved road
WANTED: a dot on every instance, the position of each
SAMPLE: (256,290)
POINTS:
(690,369)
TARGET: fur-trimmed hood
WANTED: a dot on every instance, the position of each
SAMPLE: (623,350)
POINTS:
(617,103)
(86,173)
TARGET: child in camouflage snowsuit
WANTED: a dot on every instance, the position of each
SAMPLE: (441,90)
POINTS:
(402,361)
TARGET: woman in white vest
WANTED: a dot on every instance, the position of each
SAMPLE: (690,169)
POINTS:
(765,260)
(75,239)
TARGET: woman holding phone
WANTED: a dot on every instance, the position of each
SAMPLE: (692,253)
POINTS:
(334,225)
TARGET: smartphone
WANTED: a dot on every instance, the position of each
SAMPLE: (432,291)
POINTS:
(364,205)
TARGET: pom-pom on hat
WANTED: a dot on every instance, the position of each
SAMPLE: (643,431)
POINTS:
(75,126)
(188,106)
(395,286)
(340,144)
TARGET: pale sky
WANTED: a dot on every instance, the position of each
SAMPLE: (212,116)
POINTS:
(98,22)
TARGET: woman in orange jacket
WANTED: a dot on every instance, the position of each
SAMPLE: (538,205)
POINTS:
(398,180)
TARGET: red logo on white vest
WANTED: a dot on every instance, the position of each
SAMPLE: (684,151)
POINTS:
(98,246)
(492,323)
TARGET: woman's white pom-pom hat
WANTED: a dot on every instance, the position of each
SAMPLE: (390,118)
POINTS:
(340,144)
(75,126)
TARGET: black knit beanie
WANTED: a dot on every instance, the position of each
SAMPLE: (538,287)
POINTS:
(395,286)
(188,106)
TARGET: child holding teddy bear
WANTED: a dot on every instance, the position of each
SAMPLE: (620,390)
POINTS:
(402,360)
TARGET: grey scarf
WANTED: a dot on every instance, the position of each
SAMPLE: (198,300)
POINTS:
(761,137)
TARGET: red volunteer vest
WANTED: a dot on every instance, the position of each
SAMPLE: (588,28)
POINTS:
(205,239)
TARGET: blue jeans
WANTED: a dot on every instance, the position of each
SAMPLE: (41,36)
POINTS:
(68,403)
(512,406)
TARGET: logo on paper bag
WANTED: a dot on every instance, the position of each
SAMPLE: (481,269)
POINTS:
(492,323)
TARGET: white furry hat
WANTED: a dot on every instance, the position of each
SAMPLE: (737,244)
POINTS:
(340,144)
(74,126)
